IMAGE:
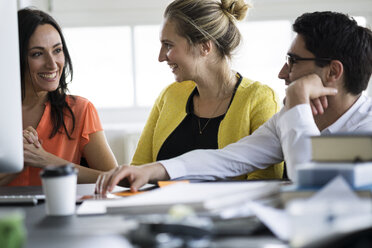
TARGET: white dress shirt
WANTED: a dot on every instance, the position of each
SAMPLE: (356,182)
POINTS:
(284,137)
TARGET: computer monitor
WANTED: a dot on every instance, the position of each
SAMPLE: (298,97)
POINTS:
(11,139)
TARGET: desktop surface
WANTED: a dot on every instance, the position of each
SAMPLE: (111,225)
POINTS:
(101,230)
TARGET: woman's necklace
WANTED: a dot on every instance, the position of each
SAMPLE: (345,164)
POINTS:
(201,129)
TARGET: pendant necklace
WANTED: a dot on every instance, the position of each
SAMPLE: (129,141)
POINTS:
(201,129)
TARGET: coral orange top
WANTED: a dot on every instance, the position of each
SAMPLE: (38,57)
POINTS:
(86,122)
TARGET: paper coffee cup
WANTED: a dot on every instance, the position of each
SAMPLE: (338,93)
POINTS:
(59,187)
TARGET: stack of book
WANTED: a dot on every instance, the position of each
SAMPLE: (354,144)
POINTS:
(348,155)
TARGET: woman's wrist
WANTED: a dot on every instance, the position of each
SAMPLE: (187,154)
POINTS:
(53,160)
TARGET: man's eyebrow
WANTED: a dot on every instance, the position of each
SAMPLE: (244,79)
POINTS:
(293,55)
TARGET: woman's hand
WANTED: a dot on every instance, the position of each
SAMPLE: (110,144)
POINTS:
(34,156)
(30,136)
(38,157)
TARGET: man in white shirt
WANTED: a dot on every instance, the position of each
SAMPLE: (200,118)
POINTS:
(328,66)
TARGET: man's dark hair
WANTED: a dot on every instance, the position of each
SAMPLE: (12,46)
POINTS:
(337,36)
(28,21)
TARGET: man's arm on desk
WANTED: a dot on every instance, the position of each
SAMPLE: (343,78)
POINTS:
(257,151)
(261,148)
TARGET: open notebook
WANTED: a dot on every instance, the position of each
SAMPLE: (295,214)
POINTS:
(201,196)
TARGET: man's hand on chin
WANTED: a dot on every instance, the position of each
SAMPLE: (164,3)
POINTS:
(309,89)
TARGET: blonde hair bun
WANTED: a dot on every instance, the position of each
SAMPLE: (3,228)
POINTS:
(203,20)
(235,8)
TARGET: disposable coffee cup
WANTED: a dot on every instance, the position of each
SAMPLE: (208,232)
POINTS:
(59,187)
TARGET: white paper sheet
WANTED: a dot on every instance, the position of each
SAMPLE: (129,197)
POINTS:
(275,219)
(335,190)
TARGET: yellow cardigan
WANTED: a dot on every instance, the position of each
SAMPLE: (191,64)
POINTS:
(252,105)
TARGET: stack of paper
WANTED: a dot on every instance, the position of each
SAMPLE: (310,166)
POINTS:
(199,196)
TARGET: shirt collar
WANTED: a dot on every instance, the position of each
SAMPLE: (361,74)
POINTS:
(342,121)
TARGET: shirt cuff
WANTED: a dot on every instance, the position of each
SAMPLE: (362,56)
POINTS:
(174,167)
(296,117)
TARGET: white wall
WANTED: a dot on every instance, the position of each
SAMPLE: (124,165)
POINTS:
(119,12)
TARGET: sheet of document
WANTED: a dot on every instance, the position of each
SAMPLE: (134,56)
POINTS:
(275,219)
(335,190)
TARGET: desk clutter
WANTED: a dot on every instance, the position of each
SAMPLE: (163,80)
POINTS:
(333,192)
(203,211)
(317,216)
(183,214)
(249,210)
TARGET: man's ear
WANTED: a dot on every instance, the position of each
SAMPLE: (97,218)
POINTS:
(335,72)
(206,47)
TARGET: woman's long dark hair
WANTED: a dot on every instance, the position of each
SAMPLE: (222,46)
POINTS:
(28,21)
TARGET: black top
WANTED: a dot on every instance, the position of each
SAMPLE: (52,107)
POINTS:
(187,137)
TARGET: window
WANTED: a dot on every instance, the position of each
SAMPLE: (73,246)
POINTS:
(118,67)
(361,20)
(262,54)
(103,59)
(102,62)
(151,75)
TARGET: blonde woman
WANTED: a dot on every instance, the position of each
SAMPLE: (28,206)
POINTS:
(210,105)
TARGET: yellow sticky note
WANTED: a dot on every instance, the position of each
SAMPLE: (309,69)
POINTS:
(128,193)
(166,183)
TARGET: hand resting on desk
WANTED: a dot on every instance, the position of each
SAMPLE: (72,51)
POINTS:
(130,176)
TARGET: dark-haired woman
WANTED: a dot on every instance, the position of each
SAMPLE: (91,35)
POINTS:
(58,128)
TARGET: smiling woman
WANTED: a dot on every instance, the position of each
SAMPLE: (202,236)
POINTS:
(210,105)
(58,128)
(45,59)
